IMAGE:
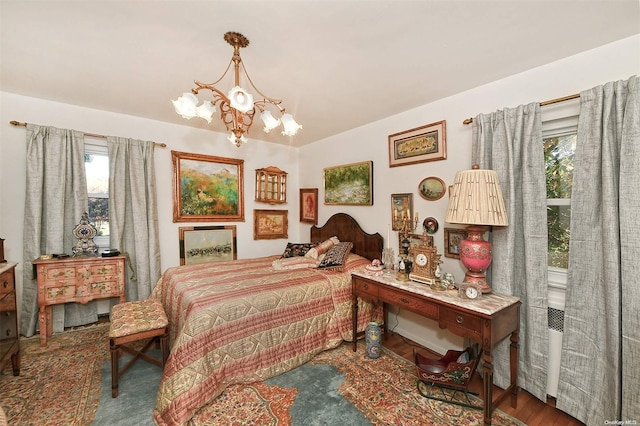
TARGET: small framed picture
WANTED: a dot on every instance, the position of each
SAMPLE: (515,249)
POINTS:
(401,209)
(270,224)
(432,188)
(199,244)
(452,239)
(309,205)
(425,143)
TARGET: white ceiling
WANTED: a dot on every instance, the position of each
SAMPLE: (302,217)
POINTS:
(336,64)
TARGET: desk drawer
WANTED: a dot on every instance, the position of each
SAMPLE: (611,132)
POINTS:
(415,304)
(58,291)
(462,320)
(364,287)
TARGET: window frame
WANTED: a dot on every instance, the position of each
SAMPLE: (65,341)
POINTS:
(98,147)
(559,119)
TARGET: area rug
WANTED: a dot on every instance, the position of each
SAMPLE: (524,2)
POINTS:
(59,384)
(68,383)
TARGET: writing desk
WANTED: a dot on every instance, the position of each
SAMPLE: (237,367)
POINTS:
(487,320)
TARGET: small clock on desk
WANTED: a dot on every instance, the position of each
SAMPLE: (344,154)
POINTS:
(425,263)
(470,291)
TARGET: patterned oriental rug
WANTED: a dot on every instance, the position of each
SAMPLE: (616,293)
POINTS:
(60,384)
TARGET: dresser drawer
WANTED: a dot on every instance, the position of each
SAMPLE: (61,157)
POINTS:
(57,291)
(8,325)
(6,282)
(48,274)
(7,302)
(364,287)
(99,288)
(461,320)
(412,303)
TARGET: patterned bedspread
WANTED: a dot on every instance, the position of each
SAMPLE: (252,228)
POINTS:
(242,321)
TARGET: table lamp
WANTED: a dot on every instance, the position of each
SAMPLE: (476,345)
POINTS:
(476,200)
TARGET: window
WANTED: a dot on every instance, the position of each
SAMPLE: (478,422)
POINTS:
(96,164)
(559,134)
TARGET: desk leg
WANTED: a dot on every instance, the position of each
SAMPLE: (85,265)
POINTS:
(487,375)
(45,324)
(354,318)
(513,364)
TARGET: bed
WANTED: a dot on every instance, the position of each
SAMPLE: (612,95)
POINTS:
(247,320)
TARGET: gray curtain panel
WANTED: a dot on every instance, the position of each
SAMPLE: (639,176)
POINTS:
(510,142)
(600,367)
(133,212)
(56,197)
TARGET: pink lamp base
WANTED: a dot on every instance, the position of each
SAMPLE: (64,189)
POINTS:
(476,256)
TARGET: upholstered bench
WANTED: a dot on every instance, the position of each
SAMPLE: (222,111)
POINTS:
(135,322)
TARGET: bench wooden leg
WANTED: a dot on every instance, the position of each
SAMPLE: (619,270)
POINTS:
(115,352)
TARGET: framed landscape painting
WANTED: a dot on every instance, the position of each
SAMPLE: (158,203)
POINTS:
(199,244)
(349,185)
(207,188)
(270,224)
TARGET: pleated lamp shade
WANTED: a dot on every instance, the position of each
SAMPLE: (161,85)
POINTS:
(476,199)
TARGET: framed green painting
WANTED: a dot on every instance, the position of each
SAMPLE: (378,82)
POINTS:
(207,188)
(349,185)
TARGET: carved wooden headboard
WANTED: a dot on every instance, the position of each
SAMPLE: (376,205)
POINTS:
(346,228)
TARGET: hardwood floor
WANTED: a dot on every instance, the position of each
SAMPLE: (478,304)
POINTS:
(530,410)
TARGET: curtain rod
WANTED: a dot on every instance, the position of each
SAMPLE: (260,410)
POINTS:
(95,135)
(552,101)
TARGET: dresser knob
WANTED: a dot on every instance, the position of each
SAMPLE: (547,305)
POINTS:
(403,300)
(5,284)
(459,319)
(366,286)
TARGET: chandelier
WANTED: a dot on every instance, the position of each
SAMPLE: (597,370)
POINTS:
(237,107)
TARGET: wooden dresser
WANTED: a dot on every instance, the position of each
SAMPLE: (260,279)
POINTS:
(9,336)
(76,279)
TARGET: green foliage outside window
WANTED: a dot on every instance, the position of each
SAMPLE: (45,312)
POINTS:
(559,153)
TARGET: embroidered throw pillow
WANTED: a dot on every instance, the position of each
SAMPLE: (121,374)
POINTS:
(336,257)
(297,249)
(322,248)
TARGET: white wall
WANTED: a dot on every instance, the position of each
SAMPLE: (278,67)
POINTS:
(616,61)
(256,154)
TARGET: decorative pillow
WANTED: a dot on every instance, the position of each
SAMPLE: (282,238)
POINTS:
(322,248)
(297,249)
(296,262)
(336,257)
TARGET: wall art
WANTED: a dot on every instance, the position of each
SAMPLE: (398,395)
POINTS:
(425,143)
(270,224)
(350,184)
(309,205)
(432,188)
(207,188)
(199,244)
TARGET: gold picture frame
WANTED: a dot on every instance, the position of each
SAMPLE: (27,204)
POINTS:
(418,145)
(432,188)
(452,238)
(309,205)
(200,244)
(207,188)
(401,206)
(270,224)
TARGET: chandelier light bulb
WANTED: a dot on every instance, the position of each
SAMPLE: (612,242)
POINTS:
(289,124)
(185,105)
(240,99)
(270,122)
(206,110)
